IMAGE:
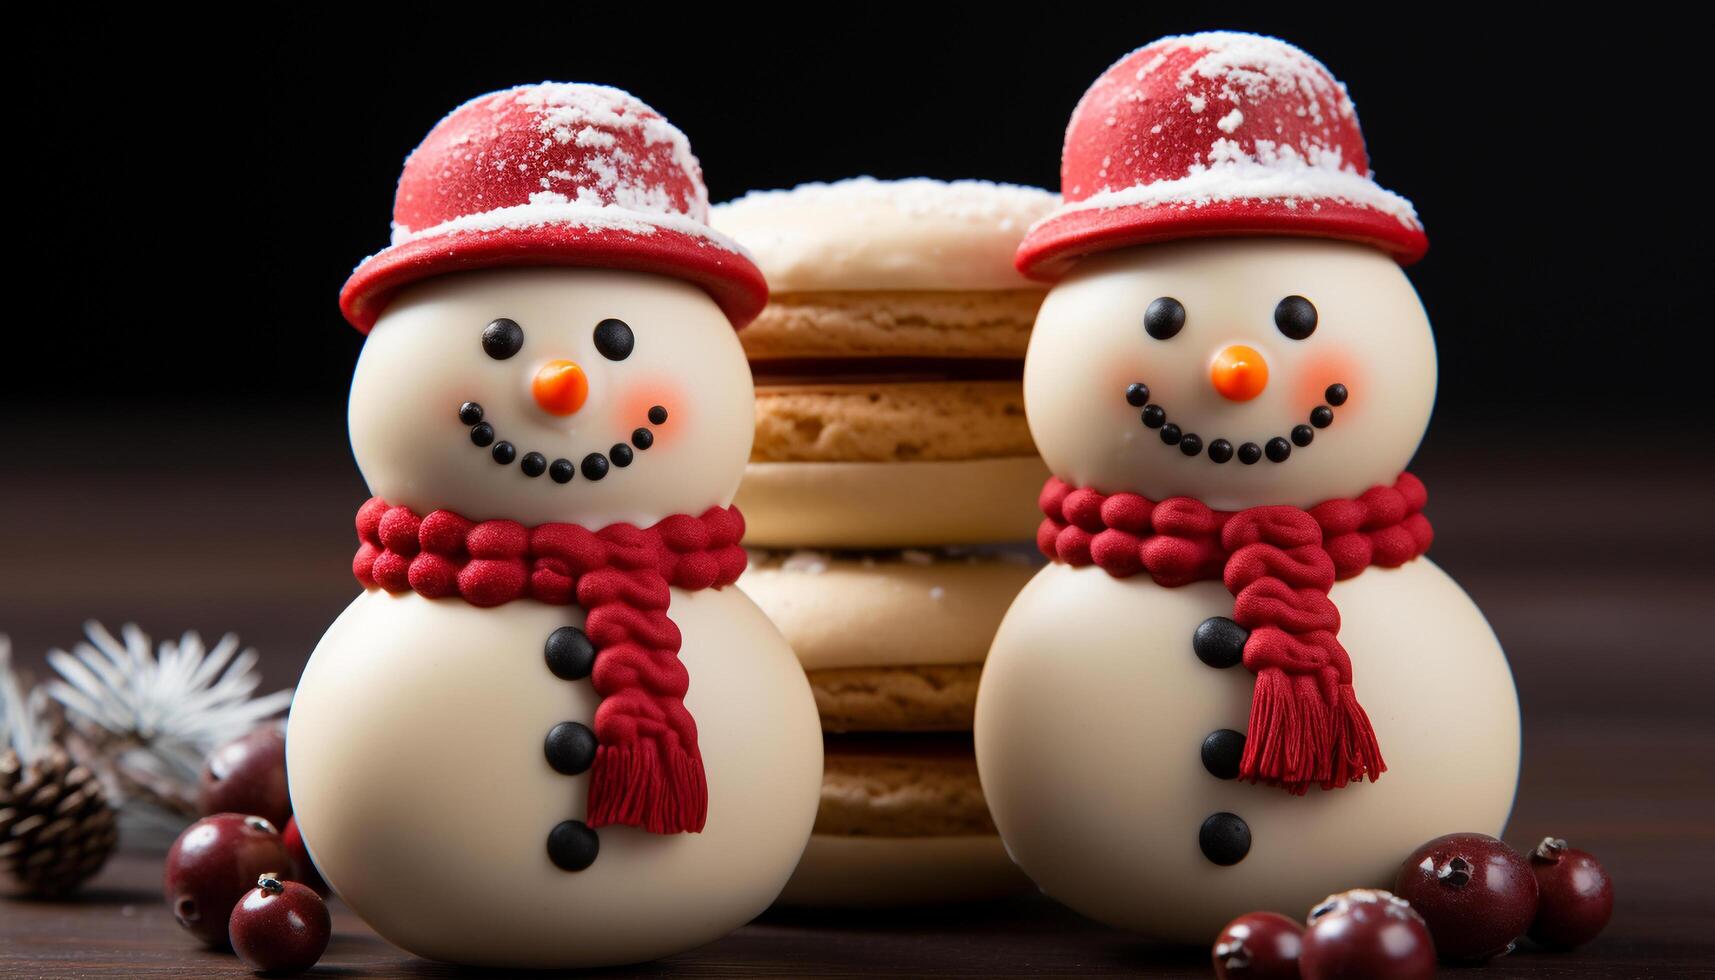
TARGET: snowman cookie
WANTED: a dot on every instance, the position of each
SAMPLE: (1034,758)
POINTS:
(548,734)
(1239,685)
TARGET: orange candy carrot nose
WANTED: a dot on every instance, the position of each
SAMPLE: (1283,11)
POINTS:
(1239,373)
(560,387)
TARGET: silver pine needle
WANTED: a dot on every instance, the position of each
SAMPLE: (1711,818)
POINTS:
(171,705)
(23,725)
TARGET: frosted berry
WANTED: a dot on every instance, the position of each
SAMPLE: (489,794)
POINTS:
(248,775)
(1476,894)
(213,863)
(1575,895)
(304,869)
(1258,946)
(280,927)
(1364,934)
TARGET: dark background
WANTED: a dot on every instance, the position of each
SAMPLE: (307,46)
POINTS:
(192,207)
(189,196)
(188,205)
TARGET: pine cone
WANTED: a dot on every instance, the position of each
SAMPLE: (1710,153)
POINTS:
(56,827)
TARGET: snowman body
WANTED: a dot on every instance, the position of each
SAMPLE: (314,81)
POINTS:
(1094,709)
(1101,804)
(416,743)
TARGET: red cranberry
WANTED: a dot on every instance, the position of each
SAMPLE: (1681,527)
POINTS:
(1364,934)
(1575,895)
(280,927)
(305,868)
(1258,946)
(1477,895)
(248,775)
(213,863)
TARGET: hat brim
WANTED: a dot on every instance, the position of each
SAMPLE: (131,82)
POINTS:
(727,275)
(1053,244)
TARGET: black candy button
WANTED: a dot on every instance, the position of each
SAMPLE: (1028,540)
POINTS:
(1220,450)
(572,845)
(1335,395)
(504,453)
(1220,642)
(1302,434)
(1170,434)
(570,654)
(594,466)
(657,414)
(1249,453)
(570,748)
(1225,838)
(470,413)
(1137,394)
(642,438)
(1278,449)
(533,464)
(562,470)
(620,454)
(482,433)
(1222,751)
(1321,416)
(1154,415)
(502,338)
(1191,444)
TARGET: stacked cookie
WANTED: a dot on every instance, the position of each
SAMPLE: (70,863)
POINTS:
(892,467)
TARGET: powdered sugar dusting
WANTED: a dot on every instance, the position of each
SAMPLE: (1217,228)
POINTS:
(551,208)
(1002,206)
(593,157)
(869,234)
(1221,117)
(1290,179)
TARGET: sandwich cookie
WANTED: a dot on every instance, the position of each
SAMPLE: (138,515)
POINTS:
(893,644)
(889,363)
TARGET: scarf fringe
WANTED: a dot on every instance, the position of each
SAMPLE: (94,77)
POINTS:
(634,786)
(1297,740)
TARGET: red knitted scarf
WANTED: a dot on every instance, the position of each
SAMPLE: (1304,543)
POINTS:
(648,771)
(1306,725)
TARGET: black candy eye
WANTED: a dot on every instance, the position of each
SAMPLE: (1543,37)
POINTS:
(502,338)
(1164,318)
(614,339)
(1296,317)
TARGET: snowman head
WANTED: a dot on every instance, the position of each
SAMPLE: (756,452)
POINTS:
(590,396)
(551,330)
(1239,371)
(1230,320)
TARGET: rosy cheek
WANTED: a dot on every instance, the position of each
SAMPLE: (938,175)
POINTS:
(1328,367)
(637,400)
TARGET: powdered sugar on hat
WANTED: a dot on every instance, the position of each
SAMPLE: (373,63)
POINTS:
(554,174)
(1216,134)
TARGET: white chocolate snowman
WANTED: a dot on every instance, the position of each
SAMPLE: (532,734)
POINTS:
(570,360)
(1227,346)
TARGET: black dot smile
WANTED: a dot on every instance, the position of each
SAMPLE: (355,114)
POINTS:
(1277,449)
(594,466)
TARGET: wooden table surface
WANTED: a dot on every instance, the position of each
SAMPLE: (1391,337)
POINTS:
(1599,605)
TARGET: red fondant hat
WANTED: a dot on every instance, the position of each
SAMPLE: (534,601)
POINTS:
(1209,135)
(554,174)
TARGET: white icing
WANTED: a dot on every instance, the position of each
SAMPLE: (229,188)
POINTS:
(1372,335)
(865,233)
(424,358)
(419,720)
(1092,707)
